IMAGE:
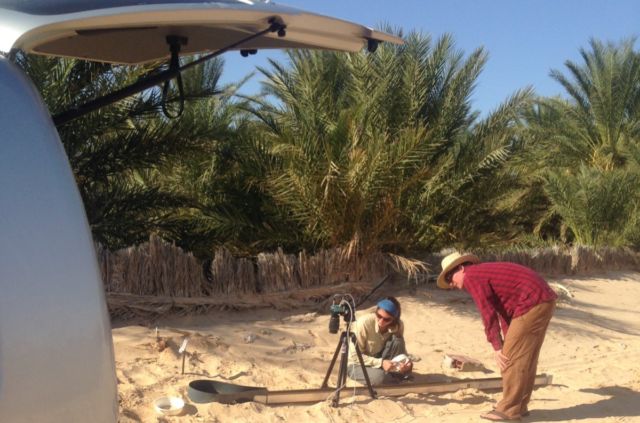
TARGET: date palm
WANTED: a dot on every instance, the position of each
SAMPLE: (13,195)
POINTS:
(601,119)
(118,152)
(586,146)
(383,151)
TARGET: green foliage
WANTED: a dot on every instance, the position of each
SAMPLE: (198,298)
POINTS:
(377,152)
(383,151)
(601,119)
(233,209)
(594,204)
(116,151)
(584,150)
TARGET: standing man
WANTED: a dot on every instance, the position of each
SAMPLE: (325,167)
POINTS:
(516,299)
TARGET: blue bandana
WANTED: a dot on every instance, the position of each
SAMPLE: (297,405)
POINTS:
(389,307)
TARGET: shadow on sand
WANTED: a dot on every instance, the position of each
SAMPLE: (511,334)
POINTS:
(621,402)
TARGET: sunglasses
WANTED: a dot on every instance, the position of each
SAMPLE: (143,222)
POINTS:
(449,276)
(383,318)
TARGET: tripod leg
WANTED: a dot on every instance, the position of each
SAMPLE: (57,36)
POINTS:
(333,361)
(342,372)
(362,366)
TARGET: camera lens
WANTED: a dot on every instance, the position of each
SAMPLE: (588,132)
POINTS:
(334,324)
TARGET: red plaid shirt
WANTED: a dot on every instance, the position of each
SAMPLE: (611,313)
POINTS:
(503,291)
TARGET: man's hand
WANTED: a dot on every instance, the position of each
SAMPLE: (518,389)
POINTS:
(387,365)
(405,367)
(401,367)
(501,359)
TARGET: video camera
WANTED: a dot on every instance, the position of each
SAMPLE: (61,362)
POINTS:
(342,305)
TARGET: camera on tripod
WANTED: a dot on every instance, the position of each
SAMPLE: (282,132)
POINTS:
(342,305)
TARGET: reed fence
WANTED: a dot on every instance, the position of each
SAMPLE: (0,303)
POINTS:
(157,276)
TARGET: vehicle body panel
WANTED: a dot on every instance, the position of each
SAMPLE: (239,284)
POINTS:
(56,351)
(136,34)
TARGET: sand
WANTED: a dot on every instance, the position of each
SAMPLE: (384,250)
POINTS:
(592,351)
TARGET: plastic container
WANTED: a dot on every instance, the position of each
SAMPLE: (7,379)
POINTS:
(169,406)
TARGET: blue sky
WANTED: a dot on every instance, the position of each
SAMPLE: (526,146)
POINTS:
(525,39)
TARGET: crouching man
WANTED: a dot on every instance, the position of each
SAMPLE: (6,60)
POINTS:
(380,339)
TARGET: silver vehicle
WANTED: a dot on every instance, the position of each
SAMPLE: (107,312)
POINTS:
(56,352)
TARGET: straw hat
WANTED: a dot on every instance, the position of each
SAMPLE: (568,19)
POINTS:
(452,261)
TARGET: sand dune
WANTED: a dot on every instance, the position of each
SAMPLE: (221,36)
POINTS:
(592,350)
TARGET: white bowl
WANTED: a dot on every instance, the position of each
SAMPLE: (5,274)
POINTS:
(169,406)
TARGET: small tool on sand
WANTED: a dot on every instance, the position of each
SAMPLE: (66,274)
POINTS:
(183,351)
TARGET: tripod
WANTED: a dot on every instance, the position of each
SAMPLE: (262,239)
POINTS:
(343,348)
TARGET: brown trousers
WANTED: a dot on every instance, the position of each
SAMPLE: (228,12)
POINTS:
(522,346)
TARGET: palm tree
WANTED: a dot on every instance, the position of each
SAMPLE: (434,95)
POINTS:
(595,204)
(587,144)
(602,117)
(383,151)
(119,153)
